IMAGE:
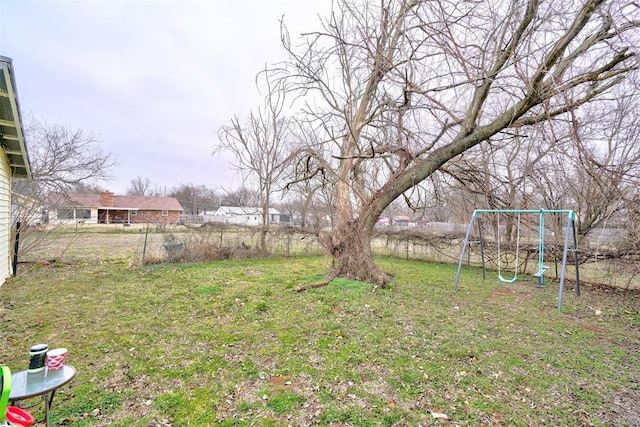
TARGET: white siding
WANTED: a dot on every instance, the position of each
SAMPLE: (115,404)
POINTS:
(245,215)
(5,220)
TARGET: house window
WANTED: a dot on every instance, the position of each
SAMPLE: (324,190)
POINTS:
(64,213)
(83,213)
(165,213)
(68,213)
(134,212)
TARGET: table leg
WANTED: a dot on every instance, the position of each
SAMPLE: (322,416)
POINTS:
(47,406)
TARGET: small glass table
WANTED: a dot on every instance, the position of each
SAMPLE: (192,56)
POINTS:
(25,385)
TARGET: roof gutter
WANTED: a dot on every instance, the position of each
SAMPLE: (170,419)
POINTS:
(11,127)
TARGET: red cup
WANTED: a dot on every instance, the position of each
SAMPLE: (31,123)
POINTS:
(56,358)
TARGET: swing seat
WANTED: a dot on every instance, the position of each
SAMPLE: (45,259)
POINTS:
(540,276)
(503,280)
(540,273)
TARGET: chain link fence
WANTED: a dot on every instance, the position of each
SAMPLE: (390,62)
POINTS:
(157,243)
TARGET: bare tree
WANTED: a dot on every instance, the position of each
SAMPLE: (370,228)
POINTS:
(63,160)
(242,197)
(88,188)
(497,175)
(139,186)
(62,157)
(195,198)
(606,163)
(311,204)
(398,88)
(260,148)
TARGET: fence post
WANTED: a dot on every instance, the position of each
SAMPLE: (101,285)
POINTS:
(144,248)
(16,247)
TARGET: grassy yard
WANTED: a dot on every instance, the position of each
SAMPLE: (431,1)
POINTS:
(233,343)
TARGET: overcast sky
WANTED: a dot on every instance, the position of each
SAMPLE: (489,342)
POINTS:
(152,79)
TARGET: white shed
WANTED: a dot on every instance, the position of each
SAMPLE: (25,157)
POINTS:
(246,215)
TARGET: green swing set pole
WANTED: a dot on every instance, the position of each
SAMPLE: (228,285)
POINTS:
(541,249)
(525,211)
(541,241)
(481,241)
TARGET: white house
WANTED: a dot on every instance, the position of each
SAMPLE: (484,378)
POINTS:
(245,215)
(14,158)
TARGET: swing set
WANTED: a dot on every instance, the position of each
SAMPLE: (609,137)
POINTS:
(569,230)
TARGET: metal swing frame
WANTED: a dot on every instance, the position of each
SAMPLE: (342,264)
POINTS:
(570,230)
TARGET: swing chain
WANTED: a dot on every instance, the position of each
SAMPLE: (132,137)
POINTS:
(517,259)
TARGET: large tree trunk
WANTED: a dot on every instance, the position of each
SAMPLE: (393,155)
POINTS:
(264,228)
(349,243)
(350,246)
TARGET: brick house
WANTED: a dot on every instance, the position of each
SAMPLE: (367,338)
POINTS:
(108,208)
